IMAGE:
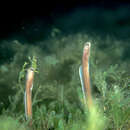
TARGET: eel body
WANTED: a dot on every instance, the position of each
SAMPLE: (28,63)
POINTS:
(85,82)
(28,93)
(82,83)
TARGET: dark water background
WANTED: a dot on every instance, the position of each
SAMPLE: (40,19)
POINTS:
(95,21)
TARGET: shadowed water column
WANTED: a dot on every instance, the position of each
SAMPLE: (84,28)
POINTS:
(28,93)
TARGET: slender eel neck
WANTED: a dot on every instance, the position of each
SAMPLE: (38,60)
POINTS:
(86,77)
(28,101)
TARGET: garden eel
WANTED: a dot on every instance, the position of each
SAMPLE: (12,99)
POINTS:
(84,75)
(28,93)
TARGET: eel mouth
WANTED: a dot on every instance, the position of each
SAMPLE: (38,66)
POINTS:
(87,45)
(86,50)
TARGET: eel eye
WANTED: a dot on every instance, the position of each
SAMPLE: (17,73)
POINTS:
(87,45)
(31,69)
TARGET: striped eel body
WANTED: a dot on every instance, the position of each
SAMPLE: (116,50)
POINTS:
(28,93)
(84,75)
(82,82)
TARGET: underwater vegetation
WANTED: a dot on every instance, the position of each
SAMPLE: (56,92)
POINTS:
(57,98)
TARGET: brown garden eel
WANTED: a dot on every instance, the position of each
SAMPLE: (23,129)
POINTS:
(84,75)
(28,93)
